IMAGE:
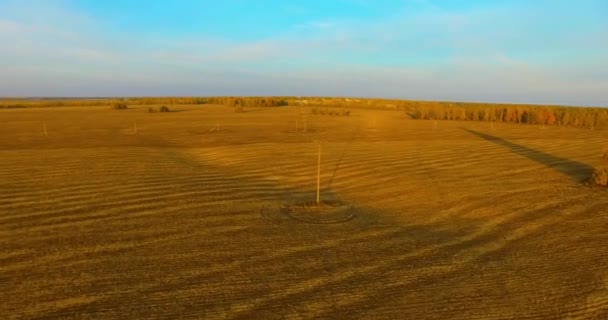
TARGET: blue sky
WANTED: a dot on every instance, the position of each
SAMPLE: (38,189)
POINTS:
(536,51)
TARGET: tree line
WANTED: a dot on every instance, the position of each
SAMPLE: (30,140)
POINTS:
(520,114)
(422,110)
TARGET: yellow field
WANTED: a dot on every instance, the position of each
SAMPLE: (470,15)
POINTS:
(177,220)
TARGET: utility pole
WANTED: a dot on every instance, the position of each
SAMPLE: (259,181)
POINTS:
(319,174)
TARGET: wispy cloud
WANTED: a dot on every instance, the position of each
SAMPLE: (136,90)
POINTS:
(326,24)
(428,53)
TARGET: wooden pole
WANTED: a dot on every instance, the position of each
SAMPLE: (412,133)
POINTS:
(319,174)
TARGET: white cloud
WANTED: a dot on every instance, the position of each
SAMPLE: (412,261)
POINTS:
(50,56)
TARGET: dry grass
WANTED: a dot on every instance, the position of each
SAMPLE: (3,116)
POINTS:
(459,222)
(600,176)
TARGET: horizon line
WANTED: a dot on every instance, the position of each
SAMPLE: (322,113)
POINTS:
(297,97)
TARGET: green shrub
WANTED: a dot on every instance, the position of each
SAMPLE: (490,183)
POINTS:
(164,109)
(119,106)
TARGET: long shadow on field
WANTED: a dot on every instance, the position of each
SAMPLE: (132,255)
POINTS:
(576,170)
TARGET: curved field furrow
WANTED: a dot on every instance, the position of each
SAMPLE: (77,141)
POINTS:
(126,196)
(458,222)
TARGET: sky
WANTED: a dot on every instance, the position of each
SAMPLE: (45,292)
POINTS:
(519,51)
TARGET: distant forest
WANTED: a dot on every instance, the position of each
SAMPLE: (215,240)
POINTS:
(422,110)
